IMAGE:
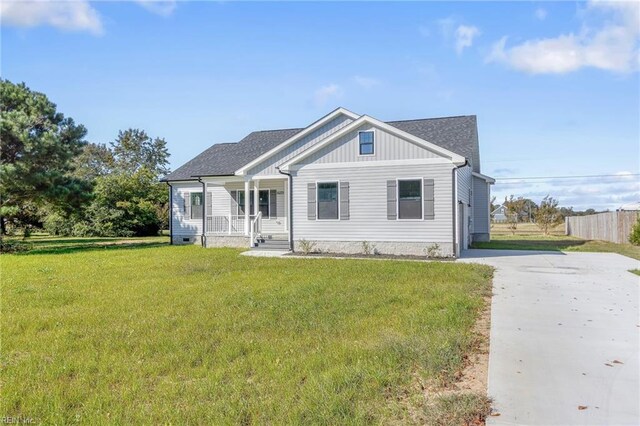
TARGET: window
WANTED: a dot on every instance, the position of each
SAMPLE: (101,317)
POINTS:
(196,205)
(366,143)
(328,200)
(410,199)
(263,202)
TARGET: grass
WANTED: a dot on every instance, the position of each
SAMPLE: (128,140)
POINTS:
(635,271)
(180,334)
(44,243)
(525,239)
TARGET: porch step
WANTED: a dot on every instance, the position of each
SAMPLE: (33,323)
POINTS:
(272,244)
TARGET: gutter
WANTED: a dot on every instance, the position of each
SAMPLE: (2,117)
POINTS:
(290,199)
(170,213)
(203,237)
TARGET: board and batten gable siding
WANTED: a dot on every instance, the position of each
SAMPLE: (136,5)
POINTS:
(368,204)
(180,223)
(268,167)
(386,147)
(481,206)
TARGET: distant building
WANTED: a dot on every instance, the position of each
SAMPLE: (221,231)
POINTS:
(499,214)
(630,207)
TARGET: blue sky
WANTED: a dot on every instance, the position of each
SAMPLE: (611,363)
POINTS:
(555,86)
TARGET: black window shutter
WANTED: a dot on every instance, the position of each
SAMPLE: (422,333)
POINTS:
(273,203)
(391,200)
(209,205)
(429,199)
(344,200)
(311,201)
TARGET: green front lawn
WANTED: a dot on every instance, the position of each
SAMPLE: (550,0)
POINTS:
(556,243)
(181,334)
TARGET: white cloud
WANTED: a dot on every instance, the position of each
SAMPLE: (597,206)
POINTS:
(612,47)
(326,93)
(541,14)
(464,37)
(366,82)
(446,26)
(159,7)
(65,15)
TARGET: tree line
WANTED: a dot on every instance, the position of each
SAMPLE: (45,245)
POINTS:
(52,178)
(546,215)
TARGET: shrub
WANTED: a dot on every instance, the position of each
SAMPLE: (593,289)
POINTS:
(56,224)
(634,238)
(306,246)
(433,250)
(368,248)
(13,246)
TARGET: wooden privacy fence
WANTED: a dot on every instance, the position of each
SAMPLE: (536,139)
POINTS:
(609,226)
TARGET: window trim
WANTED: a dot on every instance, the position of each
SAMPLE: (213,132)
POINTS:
(398,180)
(373,144)
(318,182)
(238,191)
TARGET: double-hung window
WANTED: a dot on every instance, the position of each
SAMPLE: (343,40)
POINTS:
(328,200)
(410,199)
(366,141)
(196,205)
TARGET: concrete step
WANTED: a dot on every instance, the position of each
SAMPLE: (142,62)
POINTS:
(272,245)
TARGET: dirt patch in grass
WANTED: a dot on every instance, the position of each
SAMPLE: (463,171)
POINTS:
(462,400)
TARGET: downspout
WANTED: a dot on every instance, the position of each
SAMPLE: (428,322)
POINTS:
(456,216)
(170,213)
(203,237)
(290,199)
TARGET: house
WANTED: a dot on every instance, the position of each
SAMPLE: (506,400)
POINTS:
(499,215)
(402,186)
(635,206)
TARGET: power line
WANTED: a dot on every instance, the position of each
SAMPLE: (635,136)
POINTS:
(567,177)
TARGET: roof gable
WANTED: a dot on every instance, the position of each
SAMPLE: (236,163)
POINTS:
(365,119)
(455,134)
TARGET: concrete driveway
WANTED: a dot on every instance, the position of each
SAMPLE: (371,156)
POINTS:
(565,345)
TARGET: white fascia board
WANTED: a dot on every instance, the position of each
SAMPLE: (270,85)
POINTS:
(484,177)
(456,159)
(310,128)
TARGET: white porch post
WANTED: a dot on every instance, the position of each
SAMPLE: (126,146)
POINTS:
(256,197)
(247,212)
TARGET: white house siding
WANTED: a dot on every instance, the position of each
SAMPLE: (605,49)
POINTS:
(386,147)
(481,206)
(181,226)
(464,185)
(368,209)
(268,167)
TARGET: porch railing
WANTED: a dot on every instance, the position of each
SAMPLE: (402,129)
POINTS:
(256,228)
(230,224)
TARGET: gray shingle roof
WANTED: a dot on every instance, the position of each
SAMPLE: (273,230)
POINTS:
(456,134)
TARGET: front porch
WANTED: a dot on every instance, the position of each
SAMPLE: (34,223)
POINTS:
(226,203)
